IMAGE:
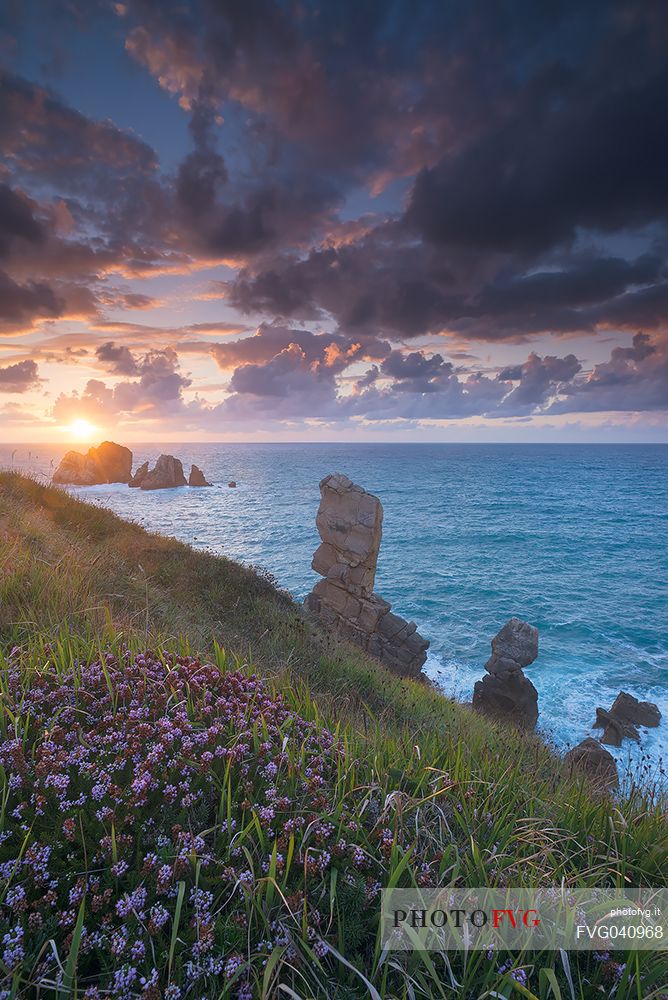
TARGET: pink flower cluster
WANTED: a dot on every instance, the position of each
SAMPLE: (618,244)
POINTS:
(131,777)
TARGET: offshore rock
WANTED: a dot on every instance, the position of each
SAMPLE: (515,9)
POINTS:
(139,476)
(108,463)
(167,474)
(350,522)
(595,762)
(614,729)
(505,693)
(640,713)
(625,714)
(196,477)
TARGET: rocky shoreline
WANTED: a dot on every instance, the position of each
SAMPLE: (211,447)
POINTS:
(349,522)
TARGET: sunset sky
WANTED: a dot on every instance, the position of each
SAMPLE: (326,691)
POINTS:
(351,220)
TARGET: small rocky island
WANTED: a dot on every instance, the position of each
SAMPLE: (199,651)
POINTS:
(166,474)
(350,522)
(112,463)
(108,463)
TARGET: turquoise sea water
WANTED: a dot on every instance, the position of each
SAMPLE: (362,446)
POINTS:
(572,538)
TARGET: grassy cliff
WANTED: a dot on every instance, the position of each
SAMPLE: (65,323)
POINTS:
(202,793)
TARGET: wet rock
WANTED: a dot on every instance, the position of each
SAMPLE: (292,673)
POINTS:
(139,476)
(167,473)
(196,477)
(505,693)
(614,728)
(108,463)
(349,522)
(595,762)
(625,714)
(638,713)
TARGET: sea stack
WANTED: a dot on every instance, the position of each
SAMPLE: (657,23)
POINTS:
(167,473)
(196,477)
(349,522)
(139,476)
(108,463)
(505,692)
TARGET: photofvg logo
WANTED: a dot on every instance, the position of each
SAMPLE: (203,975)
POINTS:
(536,919)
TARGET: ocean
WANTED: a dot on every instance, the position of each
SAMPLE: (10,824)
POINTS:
(572,538)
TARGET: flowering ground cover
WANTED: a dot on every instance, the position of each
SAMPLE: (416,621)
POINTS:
(175,826)
(160,816)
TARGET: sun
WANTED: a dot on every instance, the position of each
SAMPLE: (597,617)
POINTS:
(81,430)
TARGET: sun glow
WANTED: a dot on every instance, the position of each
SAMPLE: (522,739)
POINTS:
(81,430)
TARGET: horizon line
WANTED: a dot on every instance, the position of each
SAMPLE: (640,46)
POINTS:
(74,446)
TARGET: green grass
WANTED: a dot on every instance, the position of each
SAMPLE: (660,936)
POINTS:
(467,802)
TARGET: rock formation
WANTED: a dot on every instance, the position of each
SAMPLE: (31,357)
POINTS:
(167,473)
(595,762)
(621,721)
(108,463)
(505,692)
(614,729)
(112,463)
(350,521)
(196,477)
(139,476)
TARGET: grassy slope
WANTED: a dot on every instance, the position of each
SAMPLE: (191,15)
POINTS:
(75,574)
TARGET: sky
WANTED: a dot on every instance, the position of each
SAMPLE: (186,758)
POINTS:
(387,220)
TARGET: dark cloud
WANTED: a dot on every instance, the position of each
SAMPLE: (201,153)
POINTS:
(17,220)
(119,360)
(318,349)
(581,282)
(579,147)
(19,377)
(203,172)
(635,378)
(647,307)
(416,372)
(538,379)
(21,305)
(289,373)
(113,209)
(381,285)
